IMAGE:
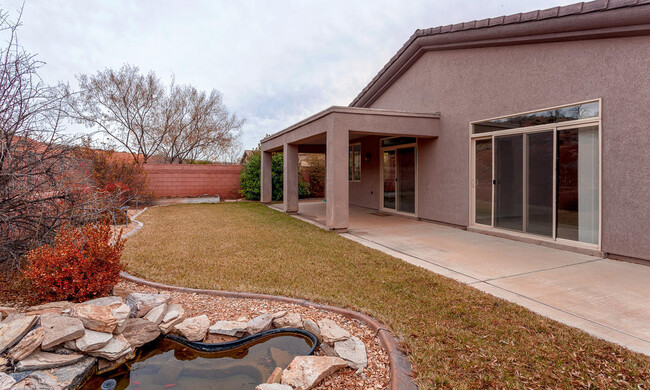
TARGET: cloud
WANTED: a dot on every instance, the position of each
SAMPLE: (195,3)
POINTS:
(275,62)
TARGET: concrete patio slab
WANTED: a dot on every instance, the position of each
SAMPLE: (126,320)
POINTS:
(606,298)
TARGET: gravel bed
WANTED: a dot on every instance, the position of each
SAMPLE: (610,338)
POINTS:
(375,376)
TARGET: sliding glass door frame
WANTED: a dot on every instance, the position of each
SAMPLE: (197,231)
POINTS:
(381,178)
(525,131)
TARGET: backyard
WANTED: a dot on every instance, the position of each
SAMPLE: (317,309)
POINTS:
(454,335)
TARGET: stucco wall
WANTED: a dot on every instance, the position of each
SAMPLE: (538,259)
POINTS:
(474,84)
(365,193)
(181,180)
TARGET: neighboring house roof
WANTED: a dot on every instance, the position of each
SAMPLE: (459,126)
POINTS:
(590,20)
(246,156)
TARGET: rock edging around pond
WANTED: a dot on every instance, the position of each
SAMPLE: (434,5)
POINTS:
(400,368)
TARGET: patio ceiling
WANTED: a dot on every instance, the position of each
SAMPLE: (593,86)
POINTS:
(358,122)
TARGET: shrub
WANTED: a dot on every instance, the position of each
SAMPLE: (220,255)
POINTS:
(250,178)
(82,264)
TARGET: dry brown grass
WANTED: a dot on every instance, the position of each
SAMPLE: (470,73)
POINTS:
(456,336)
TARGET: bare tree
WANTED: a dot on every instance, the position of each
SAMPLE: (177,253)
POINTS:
(196,125)
(125,105)
(41,186)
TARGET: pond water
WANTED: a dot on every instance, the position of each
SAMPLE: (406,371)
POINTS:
(166,364)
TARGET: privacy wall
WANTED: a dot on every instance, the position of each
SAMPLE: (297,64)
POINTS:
(181,180)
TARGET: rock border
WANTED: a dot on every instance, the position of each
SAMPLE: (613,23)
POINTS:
(400,368)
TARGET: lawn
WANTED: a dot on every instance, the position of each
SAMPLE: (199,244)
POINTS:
(455,335)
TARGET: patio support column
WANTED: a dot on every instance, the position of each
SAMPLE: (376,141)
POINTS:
(290,184)
(336,187)
(266,190)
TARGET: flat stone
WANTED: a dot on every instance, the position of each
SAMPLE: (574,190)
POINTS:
(97,318)
(331,332)
(305,372)
(121,312)
(228,328)
(59,329)
(328,350)
(63,378)
(40,360)
(116,348)
(104,365)
(175,315)
(194,329)
(259,324)
(281,357)
(71,344)
(4,364)
(290,320)
(219,338)
(352,351)
(273,386)
(6,381)
(140,304)
(30,343)
(12,331)
(139,331)
(60,307)
(104,301)
(276,376)
(279,314)
(92,340)
(311,326)
(156,314)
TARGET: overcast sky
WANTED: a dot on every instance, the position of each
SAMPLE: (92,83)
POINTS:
(275,62)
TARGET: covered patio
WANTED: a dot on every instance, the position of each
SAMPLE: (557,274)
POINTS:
(331,132)
(606,298)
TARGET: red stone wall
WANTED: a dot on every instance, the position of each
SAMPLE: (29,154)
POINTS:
(180,180)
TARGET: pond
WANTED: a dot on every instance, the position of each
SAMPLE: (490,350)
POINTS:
(167,364)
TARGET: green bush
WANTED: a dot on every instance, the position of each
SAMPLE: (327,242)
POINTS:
(250,178)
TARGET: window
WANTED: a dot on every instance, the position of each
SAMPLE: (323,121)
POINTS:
(542,177)
(355,162)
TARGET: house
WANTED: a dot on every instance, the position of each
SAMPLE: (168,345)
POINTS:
(533,126)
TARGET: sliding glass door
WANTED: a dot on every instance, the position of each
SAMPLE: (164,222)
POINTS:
(399,179)
(541,180)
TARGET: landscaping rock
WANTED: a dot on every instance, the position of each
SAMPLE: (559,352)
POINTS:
(219,338)
(352,351)
(156,314)
(115,349)
(194,329)
(121,312)
(59,329)
(91,341)
(139,331)
(27,345)
(13,330)
(105,301)
(70,345)
(6,381)
(61,307)
(331,332)
(175,315)
(279,314)
(276,376)
(140,304)
(4,364)
(311,326)
(40,360)
(228,328)
(281,357)
(273,386)
(328,350)
(104,365)
(290,320)
(305,372)
(68,377)
(97,318)
(259,324)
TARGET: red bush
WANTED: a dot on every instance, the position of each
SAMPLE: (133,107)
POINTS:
(82,264)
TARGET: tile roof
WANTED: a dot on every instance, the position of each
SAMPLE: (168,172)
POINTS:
(519,18)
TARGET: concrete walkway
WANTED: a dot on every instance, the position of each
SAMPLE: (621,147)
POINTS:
(606,298)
